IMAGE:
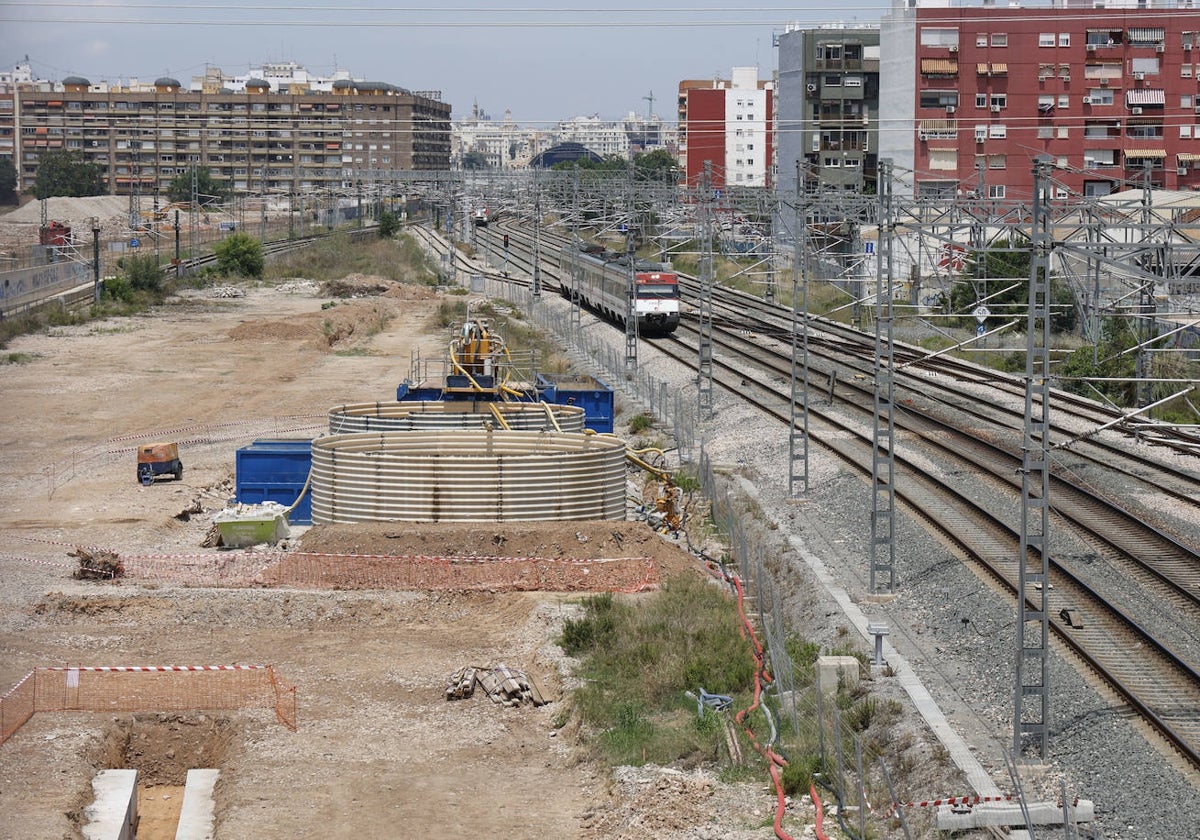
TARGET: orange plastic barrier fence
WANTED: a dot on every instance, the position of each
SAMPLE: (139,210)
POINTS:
(174,688)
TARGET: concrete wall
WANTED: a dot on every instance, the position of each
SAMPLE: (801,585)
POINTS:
(898,95)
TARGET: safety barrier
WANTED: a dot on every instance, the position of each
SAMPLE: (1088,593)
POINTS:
(165,688)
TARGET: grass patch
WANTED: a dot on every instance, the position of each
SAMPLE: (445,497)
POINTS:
(401,259)
(638,660)
(17,358)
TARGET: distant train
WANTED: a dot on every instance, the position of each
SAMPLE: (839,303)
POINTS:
(480,216)
(603,278)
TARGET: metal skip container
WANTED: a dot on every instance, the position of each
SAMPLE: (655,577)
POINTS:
(467,476)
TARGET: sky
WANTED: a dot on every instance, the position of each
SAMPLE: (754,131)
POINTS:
(545,61)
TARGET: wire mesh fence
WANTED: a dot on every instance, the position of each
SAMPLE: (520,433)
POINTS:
(177,688)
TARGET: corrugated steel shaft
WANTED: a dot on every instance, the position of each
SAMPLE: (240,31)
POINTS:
(467,476)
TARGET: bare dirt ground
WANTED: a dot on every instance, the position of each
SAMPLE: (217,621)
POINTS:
(379,752)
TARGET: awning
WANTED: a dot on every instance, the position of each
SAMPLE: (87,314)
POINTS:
(937,125)
(981,68)
(54,103)
(1146,96)
(939,65)
(999,69)
(1146,34)
(1188,156)
(1156,154)
(1104,30)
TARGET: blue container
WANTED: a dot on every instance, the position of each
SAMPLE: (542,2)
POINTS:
(594,396)
(275,471)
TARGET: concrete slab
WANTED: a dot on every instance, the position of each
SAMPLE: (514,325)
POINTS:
(833,671)
(113,813)
(989,814)
(196,818)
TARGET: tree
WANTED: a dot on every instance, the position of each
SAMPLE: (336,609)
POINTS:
(989,272)
(208,188)
(8,181)
(475,160)
(64,172)
(659,165)
(240,254)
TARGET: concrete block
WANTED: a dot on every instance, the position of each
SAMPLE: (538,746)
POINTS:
(113,813)
(990,814)
(834,669)
(196,817)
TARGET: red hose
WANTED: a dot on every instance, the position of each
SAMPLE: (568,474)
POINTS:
(774,760)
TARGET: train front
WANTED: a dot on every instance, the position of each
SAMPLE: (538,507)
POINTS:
(657,302)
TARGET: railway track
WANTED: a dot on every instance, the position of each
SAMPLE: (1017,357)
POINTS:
(1136,635)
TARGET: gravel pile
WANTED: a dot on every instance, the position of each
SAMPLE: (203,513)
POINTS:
(954,630)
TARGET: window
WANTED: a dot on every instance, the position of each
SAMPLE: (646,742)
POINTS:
(1094,189)
(1101,96)
(1045,132)
(1064,101)
(997,162)
(981,40)
(935,37)
(943,159)
(1149,66)
(981,100)
(1185,101)
(1185,131)
(999,39)
(831,162)
(939,98)
(996,191)
(1046,39)
(1099,157)
(998,131)
(1063,132)
(853,81)
(852,163)
(999,100)
(1064,39)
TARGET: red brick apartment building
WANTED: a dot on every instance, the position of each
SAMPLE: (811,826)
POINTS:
(1104,93)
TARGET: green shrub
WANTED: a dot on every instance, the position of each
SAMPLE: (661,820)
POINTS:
(240,254)
(389,224)
(640,423)
(798,774)
(143,272)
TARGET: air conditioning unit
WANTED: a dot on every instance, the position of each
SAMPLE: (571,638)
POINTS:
(950,109)
(1066,78)
(1140,77)
(1187,47)
(954,48)
(1160,48)
(995,109)
(1091,47)
(1135,110)
(923,136)
(1104,83)
(1183,170)
(810,87)
(1087,100)
(980,136)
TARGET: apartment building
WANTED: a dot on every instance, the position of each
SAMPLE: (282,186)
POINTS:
(973,94)
(828,107)
(258,139)
(728,123)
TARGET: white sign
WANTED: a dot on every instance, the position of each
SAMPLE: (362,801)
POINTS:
(981,313)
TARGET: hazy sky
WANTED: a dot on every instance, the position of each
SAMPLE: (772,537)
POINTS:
(544,60)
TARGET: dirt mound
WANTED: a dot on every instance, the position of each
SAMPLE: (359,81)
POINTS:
(372,285)
(565,540)
(349,323)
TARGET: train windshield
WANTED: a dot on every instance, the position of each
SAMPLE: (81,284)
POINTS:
(658,291)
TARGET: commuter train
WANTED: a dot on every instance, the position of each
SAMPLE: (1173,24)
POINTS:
(603,278)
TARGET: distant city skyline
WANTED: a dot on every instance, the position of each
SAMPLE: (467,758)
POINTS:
(543,61)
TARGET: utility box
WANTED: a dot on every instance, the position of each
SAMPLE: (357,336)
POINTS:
(276,471)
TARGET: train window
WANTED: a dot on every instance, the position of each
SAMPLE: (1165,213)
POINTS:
(659,291)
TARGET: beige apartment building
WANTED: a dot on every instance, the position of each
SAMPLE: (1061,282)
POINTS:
(292,140)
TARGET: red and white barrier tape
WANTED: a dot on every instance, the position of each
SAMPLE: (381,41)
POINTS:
(155,668)
(950,800)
